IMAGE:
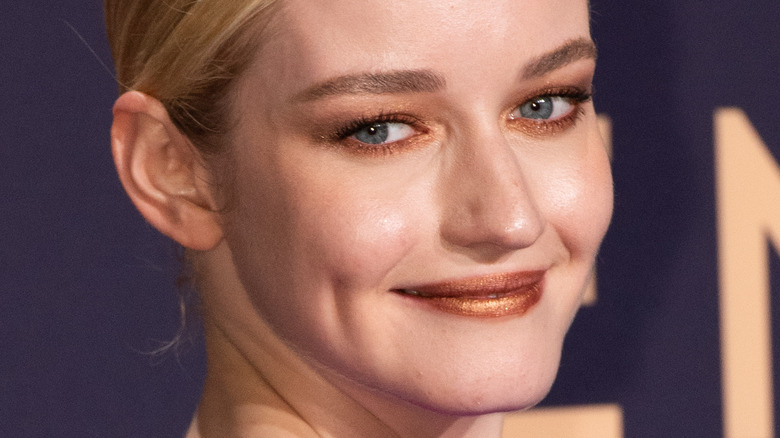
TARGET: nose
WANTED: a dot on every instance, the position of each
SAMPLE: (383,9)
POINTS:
(487,203)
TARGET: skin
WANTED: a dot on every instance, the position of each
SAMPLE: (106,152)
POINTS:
(306,333)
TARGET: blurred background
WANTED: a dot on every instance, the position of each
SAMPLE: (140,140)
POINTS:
(87,288)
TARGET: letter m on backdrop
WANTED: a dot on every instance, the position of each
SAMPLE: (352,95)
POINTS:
(748,202)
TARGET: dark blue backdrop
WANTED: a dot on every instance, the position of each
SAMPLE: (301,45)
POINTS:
(86,287)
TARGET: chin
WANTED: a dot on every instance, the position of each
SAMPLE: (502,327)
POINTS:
(476,406)
(518,392)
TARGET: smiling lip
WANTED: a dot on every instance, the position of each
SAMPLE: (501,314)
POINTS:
(486,296)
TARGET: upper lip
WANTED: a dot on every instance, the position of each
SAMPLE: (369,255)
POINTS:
(485,286)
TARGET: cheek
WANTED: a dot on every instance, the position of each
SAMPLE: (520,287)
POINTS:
(322,233)
(578,200)
(348,227)
(310,249)
(352,243)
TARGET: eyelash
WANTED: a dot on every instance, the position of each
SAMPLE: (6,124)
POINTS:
(353,126)
(577,97)
(535,127)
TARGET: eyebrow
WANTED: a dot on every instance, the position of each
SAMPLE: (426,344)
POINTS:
(401,81)
(428,81)
(569,52)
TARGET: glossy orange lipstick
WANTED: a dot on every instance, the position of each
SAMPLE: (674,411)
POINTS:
(486,296)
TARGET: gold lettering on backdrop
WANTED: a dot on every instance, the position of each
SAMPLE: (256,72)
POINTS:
(589,421)
(748,204)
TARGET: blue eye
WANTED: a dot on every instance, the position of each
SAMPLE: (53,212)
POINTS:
(543,108)
(383,132)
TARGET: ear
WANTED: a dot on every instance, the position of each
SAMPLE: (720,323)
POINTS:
(161,172)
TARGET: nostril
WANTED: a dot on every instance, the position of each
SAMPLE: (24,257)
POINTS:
(507,228)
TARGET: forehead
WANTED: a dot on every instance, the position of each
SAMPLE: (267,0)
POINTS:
(310,41)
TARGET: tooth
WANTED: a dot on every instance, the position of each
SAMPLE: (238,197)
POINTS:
(493,296)
(412,292)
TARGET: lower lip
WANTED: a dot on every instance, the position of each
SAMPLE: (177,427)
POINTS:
(515,302)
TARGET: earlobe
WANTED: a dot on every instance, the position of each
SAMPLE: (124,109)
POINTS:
(161,172)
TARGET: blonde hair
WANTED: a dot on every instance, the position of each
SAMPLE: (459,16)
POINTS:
(185,53)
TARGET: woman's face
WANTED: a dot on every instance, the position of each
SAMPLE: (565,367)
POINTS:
(421,191)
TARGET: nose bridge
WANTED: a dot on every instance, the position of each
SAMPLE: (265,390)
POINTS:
(486,198)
